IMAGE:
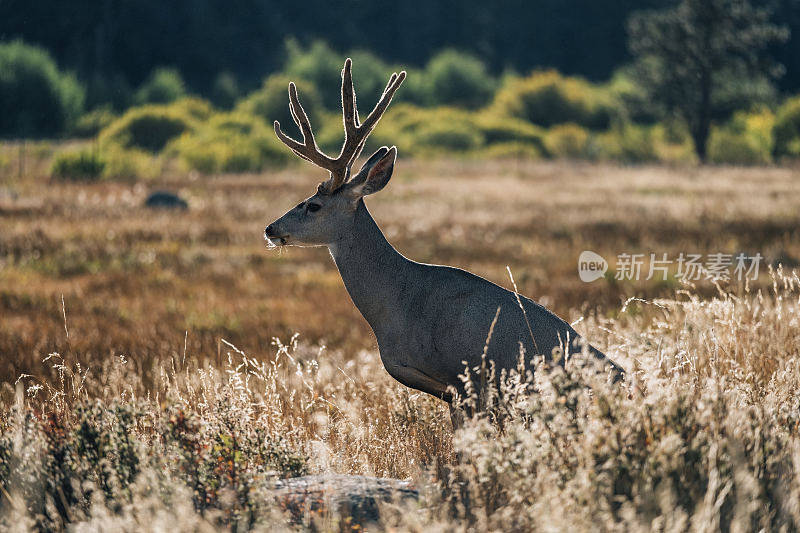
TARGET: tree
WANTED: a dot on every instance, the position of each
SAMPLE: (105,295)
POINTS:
(701,59)
(36,99)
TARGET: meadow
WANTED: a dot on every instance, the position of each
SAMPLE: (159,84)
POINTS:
(163,363)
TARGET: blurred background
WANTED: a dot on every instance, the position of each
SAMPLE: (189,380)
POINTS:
(631,81)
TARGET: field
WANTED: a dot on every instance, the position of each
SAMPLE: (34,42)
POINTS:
(152,313)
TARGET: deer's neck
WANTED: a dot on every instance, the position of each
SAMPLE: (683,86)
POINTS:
(373,272)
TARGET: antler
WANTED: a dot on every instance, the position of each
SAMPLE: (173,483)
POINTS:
(355,133)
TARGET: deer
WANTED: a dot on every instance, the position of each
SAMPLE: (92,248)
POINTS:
(429,320)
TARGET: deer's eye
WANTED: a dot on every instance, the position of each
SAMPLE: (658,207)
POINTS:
(314,207)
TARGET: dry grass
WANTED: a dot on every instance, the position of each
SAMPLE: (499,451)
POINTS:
(705,436)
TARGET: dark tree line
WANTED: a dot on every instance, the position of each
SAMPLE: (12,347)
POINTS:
(119,42)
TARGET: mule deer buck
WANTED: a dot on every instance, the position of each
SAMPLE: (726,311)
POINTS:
(428,319)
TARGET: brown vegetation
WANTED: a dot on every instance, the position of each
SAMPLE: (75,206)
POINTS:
(160,307)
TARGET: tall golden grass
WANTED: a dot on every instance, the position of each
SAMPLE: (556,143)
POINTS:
(153,396)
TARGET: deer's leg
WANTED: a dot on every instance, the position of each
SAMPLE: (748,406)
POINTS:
(456,417)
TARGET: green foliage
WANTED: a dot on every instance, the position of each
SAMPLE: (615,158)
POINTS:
(90,124)
(81,165)
(547,98)
(149,127)
(729,146)
(512,150)
(427,131)
(230,142)
(195,108)
(321,66)
(129,164)
(568,141)
(634,104)
(627,142)
(787,129)
(36,99)
(745,140)
(164,86)
(498,130)
(455,137)
(271,102)
(458,79)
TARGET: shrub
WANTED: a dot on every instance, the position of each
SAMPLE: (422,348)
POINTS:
(90,124)
(497,129)
(787,129)
(36,99)
(627,142)
(230,142)
(193,107)
(129,164)
(148,128)
(458,79)
(634,105)
(548,98)
(758,124)
(672,142)
(567,141)
(78,165)
(271,102)
(419,130)
(726,145)
(457,137)
(512,150)
(164,86)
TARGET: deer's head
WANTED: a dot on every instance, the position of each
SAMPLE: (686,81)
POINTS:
(323,217)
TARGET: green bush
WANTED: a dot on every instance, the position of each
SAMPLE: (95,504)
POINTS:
(633,102)
(82,165)
(164,86)
(786,131)
(727,145)
(36,99)
(626,142)
(148,128)
(458,79)
(569,141)
(512,150)
(195,108)
(129,164)
(230,142)
(417,130)
(456,137)
(90,124)
(271,102)
(548,98)
(500,130)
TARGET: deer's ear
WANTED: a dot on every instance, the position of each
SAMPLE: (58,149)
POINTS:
(378,174)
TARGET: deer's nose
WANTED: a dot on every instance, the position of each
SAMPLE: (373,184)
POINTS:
(268,231)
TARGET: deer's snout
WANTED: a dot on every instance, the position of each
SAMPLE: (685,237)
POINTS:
(274,236)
